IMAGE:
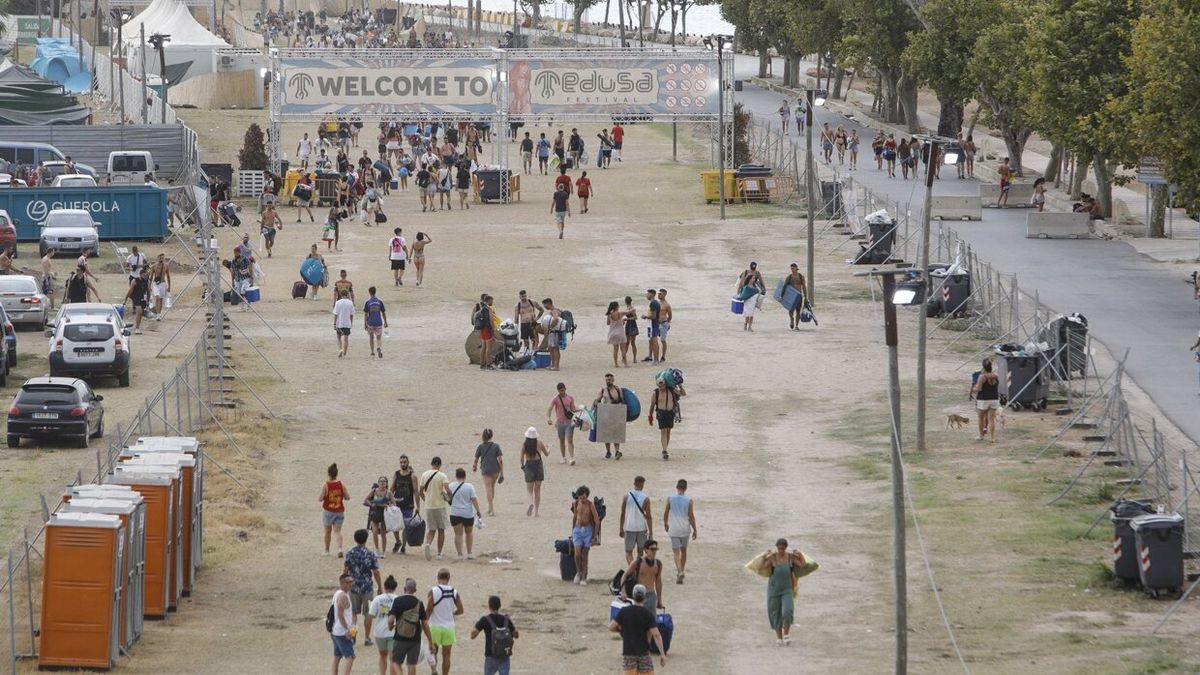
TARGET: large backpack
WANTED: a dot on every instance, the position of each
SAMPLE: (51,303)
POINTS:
(502,638)
(409,624)
(481,318)
(568,321)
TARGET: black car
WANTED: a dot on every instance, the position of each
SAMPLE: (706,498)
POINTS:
(55,406)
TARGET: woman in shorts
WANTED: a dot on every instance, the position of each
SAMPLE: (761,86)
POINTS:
(464,508)
(664,409)
(333,507)
(304,194)
(532,452)
(631,330)
(378,499)
(987,400)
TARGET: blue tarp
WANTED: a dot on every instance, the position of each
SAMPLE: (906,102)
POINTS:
(58,60)
(123,212)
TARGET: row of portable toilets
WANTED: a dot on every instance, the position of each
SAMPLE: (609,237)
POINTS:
(120,552)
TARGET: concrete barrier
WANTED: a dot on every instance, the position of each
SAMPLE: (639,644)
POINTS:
(1047,225)
(1020,195)
(956,208)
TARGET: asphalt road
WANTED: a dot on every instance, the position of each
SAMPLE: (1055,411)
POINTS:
(1129,300)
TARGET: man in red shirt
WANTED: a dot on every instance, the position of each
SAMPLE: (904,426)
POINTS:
(618,136)
(563,181)
(584,188)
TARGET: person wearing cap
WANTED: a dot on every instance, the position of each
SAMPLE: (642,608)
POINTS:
(437,508)
(637,625)
(532,452)
(647,572)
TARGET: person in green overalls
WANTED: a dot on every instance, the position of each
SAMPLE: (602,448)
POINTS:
(780,564)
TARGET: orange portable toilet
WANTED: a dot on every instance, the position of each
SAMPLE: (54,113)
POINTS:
(126,510)
(81,591)
(189,478)
(193,447)
(160,492)
(136,587)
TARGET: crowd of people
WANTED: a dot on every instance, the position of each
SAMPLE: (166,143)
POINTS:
(357,28)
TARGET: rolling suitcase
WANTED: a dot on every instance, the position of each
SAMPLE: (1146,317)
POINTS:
(666,628)
(299,290)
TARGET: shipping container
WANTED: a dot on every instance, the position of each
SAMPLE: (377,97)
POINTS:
(124,213)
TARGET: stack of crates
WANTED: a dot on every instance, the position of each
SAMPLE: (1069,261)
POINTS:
(120,552)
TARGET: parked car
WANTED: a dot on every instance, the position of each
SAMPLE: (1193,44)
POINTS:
(69,231)
(73,180)
(6,181)
(55,406)
(10,338)
(91,346)
(129,167)
(8,234)
(31,155)
(73,309)
(54,169)
(22,298)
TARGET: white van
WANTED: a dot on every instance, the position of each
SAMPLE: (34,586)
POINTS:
(129,167)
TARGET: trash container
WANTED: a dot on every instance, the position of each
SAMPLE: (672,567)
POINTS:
(1124,551)
(566,559)
(881,235)
(1159,541)
(951,291)
(1067,336)
(712,185)
(1023,381)
(490,182)
(831,201)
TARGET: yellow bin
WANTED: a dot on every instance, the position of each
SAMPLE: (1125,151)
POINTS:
(289,184)
(712,186)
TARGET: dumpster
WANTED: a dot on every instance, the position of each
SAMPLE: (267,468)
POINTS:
(881,236)
(1124,551)
(1159,541)
(831,201)
(82,590)
(490,182)
(1070,334)
(1023,381)
(950,291)
(712,185)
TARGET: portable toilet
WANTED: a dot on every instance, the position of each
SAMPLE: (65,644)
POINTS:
(189,506)
(183,443)
(127,511)
(160,491)
(174,469)
(137,590)
(81,591)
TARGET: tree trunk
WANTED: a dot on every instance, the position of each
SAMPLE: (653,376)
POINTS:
(579,10)
(658,17)
(1014,141)
(907,93)
(828,72)
(536,16)
(764,60)
(849,86)
(787,70)
(1104,174)
(837,83)
(1078,176)
(674,23)
(1158,211)
(950,117)
(820,63)
(683,20)
(621,20)
(891,98)
(607,9)
(877,101)
(1051,173)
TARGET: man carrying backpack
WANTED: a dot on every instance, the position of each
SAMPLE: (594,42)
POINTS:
(646,571)
(408,619)
(499,633)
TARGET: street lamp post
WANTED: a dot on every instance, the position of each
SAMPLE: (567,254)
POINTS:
(933,143)
(812,97)
(891,337)
(719,42)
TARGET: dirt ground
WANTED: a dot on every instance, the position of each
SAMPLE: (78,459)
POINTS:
(783,435)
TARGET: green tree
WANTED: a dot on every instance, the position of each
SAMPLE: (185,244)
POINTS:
(999,86)
(1076,56)
(939,55)
(253,155)
(578,8)
(876,35)
(1158,115)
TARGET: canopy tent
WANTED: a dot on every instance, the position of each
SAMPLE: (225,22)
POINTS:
(191,50)
(27,99)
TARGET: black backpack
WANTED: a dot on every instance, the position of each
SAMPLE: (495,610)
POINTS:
(568,321)
(329,619)
(481,318)
(502,637)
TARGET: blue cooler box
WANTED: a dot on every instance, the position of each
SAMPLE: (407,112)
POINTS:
(616,607)
(736,305)
(253,294)
(542,359)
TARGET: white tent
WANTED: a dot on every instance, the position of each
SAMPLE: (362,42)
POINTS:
(191,49)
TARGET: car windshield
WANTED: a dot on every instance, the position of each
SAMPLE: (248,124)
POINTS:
(77,182)
(48,395)
(4,221)
(88,332)
(10,285)
(69,220)
(129,163)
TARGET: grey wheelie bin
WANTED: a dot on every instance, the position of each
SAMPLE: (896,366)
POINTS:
(1124,551)
(1159,541)
(1023,381)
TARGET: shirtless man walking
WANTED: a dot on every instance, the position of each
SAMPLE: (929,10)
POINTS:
(585,531)
(647,571)
(527,312)
(664,323)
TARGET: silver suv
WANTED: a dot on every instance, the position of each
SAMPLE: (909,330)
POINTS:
(90,346)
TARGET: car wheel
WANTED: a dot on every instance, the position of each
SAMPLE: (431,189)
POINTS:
(41,251)
(12,358)
(14,441)
(96,252)
(100,428)
(83,440)
(123,379)
(4,379)
(14,252)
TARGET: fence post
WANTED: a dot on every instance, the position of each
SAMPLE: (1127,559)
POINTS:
(12,617)
(28,592)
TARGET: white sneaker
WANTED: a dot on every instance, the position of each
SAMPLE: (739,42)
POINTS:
(572,462)
(441,557)
(583,582)
(471,557)
(563,460)
(429,552)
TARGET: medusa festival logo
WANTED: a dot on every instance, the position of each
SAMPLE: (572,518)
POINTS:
(300,84)
(605,86)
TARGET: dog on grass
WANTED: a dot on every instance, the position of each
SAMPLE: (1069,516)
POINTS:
(956,421)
